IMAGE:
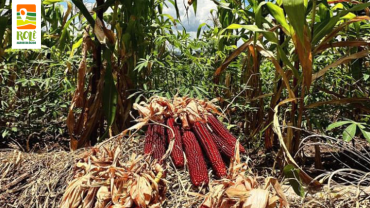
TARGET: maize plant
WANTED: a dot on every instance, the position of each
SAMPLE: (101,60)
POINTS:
(192,131)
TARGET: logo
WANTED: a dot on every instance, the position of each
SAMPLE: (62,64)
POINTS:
(26,24)
(26,16)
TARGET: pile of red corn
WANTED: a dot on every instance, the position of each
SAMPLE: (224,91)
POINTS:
(188,124)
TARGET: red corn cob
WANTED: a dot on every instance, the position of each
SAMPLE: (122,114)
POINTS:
(159,142)
(223,146)
(205,139)
(196,164)
(148,144)
(222,132)
(177,154)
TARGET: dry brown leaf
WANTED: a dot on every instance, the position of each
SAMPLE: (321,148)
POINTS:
(258,199)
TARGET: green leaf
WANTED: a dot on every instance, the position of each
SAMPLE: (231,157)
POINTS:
(174,3)
(328,25)
(278,13)
(5,133)
(230,126)
(198,93)
(199,29)
(65,31)
(295,10)
(355,8)
(366,134)
(46,2)
(292,174)
(75,46)
(349,132)
(366,77)
(109,92)
(337,124)
(324,28)
(195,5)
(170,17)
(253,28)
(258,14)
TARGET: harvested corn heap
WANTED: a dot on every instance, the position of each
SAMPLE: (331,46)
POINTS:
(102,180)
(240,189)
(191,130)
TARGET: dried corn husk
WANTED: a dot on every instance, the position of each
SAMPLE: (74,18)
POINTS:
(101,179)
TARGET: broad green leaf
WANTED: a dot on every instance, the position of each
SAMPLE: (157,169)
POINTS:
(366,134)
(278,13)
(295,10)
(349,132)
(324,28)
(323,11)
(337,124)
(292,174)
(258,14)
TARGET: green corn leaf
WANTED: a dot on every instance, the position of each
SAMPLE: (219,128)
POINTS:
(295,10)
(110,93)
(199,29)
(278,13)
(258,14)
(355,8)
(65,31)
(330,23)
